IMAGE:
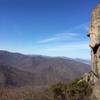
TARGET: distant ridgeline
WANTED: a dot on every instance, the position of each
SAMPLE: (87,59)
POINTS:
(94,35)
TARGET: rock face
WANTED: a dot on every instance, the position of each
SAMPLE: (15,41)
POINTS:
(94,34)
(96,91)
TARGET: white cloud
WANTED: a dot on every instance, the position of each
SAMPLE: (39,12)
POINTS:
(74,44)
(69,35)
(60,36)
(48,40)
(79,27)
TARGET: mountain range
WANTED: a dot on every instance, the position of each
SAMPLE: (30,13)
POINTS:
(22,70)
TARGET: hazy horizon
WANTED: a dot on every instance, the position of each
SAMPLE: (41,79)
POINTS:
(46,27)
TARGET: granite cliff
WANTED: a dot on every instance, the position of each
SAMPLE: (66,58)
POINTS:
(94,34)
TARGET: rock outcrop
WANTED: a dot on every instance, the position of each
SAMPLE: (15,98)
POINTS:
(94,34)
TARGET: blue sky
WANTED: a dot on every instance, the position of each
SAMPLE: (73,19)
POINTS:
(46,27)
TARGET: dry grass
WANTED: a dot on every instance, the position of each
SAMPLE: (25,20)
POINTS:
(72,91)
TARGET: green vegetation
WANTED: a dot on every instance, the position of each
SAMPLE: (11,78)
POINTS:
(76,90)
